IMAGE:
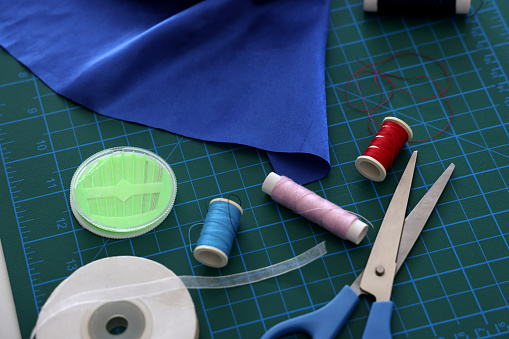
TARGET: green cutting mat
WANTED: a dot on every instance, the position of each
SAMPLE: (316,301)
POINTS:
(455,283)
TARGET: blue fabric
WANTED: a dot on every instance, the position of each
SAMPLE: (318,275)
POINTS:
(237,71)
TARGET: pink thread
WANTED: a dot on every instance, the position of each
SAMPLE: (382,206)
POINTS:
(312,207)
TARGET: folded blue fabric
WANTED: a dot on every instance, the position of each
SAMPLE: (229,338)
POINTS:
(248,72)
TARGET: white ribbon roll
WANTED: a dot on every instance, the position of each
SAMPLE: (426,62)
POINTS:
(139,296)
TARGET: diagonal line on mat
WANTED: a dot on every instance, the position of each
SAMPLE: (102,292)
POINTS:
(174,148)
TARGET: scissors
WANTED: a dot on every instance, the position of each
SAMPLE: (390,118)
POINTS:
(394,241)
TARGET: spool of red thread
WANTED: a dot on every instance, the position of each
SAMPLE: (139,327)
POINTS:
(383,149)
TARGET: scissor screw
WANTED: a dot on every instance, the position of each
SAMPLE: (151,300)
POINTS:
(379,270)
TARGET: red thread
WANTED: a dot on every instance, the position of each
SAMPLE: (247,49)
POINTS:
(370,69)
(387,143)
(383,149)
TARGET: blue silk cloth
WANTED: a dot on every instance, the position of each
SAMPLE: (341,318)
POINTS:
(249,72)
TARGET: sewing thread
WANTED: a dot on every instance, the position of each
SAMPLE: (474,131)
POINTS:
(383,149)
(219,229)
(378,76)
(311,206)
(416,7)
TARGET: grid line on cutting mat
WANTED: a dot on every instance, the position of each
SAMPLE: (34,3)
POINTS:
(454,282)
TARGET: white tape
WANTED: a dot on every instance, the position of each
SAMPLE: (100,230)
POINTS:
(148,288)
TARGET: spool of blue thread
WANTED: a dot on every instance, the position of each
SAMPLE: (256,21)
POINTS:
(219,229)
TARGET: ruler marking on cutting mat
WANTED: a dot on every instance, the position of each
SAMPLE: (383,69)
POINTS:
(17,219)
(495,73)
(43,178)
(63,186)
(481,78)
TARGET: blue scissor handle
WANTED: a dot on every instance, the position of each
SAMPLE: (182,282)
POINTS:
(379,321)
(323,323)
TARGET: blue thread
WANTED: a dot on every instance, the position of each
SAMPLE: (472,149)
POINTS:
(220,226)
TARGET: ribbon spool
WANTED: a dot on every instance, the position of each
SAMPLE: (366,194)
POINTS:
(314,208)
(383,149)
(219,229)
(136,298)
(435,7)
(122,192)
(169,314)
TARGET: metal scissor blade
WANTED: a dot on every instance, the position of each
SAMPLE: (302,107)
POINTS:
(381,266)
(416,220)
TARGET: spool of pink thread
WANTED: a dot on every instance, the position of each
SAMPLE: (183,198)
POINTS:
(314,208)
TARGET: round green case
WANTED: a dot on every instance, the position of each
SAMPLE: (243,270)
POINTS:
(122,192)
